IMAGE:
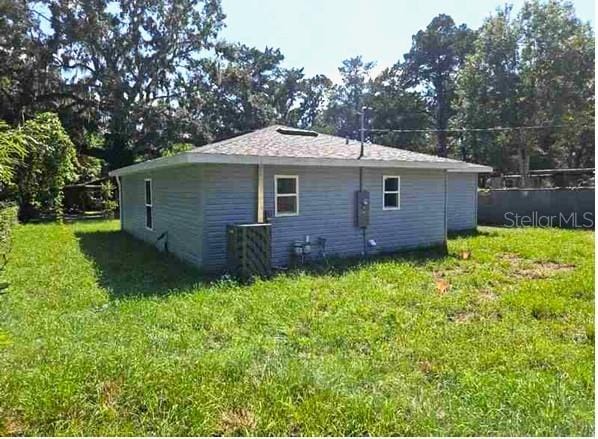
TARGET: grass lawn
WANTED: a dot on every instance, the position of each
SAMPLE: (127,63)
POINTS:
(100,335)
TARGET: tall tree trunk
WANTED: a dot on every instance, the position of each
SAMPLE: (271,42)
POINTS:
(442,142)
(441,120)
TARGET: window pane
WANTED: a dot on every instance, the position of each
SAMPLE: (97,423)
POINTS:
(286,186)
(148,192)
(148,217)
(391,184)
(286,204)
(391,200)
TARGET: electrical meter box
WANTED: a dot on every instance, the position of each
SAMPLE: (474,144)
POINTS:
(363,208)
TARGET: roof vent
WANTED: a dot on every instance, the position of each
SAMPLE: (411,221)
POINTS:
(293,132)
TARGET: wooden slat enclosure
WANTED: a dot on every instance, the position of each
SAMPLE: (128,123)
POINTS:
(249,250)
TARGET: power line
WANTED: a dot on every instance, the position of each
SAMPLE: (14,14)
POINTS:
(465,130)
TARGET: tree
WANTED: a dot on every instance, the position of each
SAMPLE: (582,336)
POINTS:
(348,98)
(176,148)
(49,164)
(431,65)
(244,88)
(12,151)
(557,74)
(27,74)
(536,69)
(126,64)
(394,106)
(235,91)
(488,89)
(313,95)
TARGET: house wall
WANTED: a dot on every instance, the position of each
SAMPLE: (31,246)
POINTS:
(229,194)
(194,204)
(176,209)
(326,209)
(462,201)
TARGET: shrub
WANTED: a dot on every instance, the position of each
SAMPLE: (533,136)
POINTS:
(49,164)
(8,219)
(109,204)
(12,151)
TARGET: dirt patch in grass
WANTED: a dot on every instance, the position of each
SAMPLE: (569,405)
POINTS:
(465,316)
(109,392)
(464,254)
(462,317)
(442,278)
(430,370)
(442,286)
(236,422)
(455,270)
(11,426)
(523,268)
(487,295)
(546,312)
(426,367)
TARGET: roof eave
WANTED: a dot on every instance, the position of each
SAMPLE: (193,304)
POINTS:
(472,169)
(191,157)
(162,162)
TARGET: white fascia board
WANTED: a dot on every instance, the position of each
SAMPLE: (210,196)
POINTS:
(189,157)
(472,169)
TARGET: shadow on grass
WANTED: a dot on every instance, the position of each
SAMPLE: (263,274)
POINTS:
(340,266)
(128,267)
(68,218)
(470,233)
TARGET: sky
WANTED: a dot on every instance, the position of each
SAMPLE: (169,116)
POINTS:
(318,35)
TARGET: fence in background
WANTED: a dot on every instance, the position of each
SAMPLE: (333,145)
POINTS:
(541,178)
(550,207)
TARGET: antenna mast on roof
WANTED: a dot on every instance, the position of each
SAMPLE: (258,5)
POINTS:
(362,130)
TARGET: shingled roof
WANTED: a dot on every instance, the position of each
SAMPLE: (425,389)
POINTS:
(281,141)
(282,145)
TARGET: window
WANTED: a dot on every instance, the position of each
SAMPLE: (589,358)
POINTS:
(286,195)
(391,192)
(149,220)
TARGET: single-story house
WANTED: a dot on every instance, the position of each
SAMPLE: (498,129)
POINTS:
(312,188)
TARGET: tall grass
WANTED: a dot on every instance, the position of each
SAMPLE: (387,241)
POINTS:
(101,335)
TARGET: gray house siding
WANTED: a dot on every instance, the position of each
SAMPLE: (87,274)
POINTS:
(229,194)
(326,209)
(462,201)
(421,218)
(176,199)
(195,204)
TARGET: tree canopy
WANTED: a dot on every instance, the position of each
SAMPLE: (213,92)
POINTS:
(534,69)
(133,80)
(432,64)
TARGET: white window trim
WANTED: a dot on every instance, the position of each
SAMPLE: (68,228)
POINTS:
(151,203)
(398,191)
(276,195)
